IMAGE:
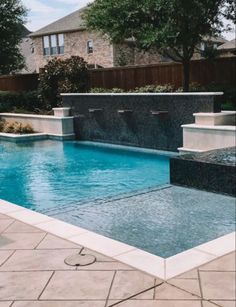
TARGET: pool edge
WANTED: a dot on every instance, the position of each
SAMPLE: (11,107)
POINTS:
(164,268)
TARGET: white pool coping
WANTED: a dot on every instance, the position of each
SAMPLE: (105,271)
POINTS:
(146,94)
(36,136)
(130,255)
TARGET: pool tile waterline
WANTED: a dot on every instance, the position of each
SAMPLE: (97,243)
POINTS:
(154,265)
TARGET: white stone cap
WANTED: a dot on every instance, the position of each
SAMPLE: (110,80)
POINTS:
(19,115)
(195,126)
(61,109)
(190,150)
(229,112)
(146,94)
(215,114)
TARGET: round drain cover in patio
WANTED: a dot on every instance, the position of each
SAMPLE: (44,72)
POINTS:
(80,260)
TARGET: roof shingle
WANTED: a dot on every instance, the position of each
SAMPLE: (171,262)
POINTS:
(69,23)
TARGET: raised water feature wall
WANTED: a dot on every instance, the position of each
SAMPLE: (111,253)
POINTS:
(145,120)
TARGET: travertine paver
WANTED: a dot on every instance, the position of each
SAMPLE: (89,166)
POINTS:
(52,242)
(59,304)
(166,303)
(3,216)
(189,285)
(20,240)
(5,304)
(33,274)
(22,285)
(166,291)
(5,223)
(133,282)
(4,255)
(38,260)
(80,285)
(18,226)
(225,303)
(218,285)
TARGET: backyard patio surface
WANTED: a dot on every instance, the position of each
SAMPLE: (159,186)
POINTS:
(33,274)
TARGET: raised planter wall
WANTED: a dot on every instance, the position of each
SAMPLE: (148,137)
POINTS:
(51,125)
(145,120)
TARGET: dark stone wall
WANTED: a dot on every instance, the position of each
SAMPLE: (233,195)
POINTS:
(140,127)
(213,171)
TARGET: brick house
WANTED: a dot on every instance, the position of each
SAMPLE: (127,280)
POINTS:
(68,36)
(228,49)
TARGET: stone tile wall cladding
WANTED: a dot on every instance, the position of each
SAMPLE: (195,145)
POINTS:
(76,44)
(139,127)
(213,171)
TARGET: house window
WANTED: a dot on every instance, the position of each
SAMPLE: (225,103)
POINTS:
(90,46)
(46,49)
(60,43)
(53,44)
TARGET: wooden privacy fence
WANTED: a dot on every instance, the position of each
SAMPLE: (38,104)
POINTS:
(221,70)
(21,82)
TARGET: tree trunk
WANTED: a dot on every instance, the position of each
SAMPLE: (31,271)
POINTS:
(186,76)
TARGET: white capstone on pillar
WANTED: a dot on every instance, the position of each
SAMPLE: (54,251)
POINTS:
(225,118)
(61,112)
(210,131)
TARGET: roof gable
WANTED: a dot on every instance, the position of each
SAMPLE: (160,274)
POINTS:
(69,23)
(229,45)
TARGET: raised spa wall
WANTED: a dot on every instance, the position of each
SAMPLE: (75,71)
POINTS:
(145,120)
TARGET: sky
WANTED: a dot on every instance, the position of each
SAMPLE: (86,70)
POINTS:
(43,12)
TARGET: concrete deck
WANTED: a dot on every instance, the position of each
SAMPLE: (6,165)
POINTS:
(33,274)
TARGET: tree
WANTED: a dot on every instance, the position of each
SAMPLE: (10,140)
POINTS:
(63,76)
(12,18)
(173,27)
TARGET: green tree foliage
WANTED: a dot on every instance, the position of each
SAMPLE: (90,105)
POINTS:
(63,76)
(12,18)
(173,27)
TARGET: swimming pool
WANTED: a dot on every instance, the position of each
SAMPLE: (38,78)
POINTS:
(119,193)
(44,174)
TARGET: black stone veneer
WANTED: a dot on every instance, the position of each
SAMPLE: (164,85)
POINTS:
(213,171)
(137,119)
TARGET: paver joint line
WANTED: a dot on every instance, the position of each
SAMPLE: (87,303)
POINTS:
(46,285)
(109,291)
(132,296)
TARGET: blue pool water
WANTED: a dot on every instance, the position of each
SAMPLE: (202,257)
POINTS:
(107,191)
(45,174)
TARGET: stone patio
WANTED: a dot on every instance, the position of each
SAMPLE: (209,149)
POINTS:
(33,274)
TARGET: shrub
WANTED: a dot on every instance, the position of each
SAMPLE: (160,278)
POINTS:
(193,87)
(144,89)
(9,127)
(106,90)
(63,76)
(2,123)
(23,101)
(15,127)
(229,97)
(25,129)
(154,89)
